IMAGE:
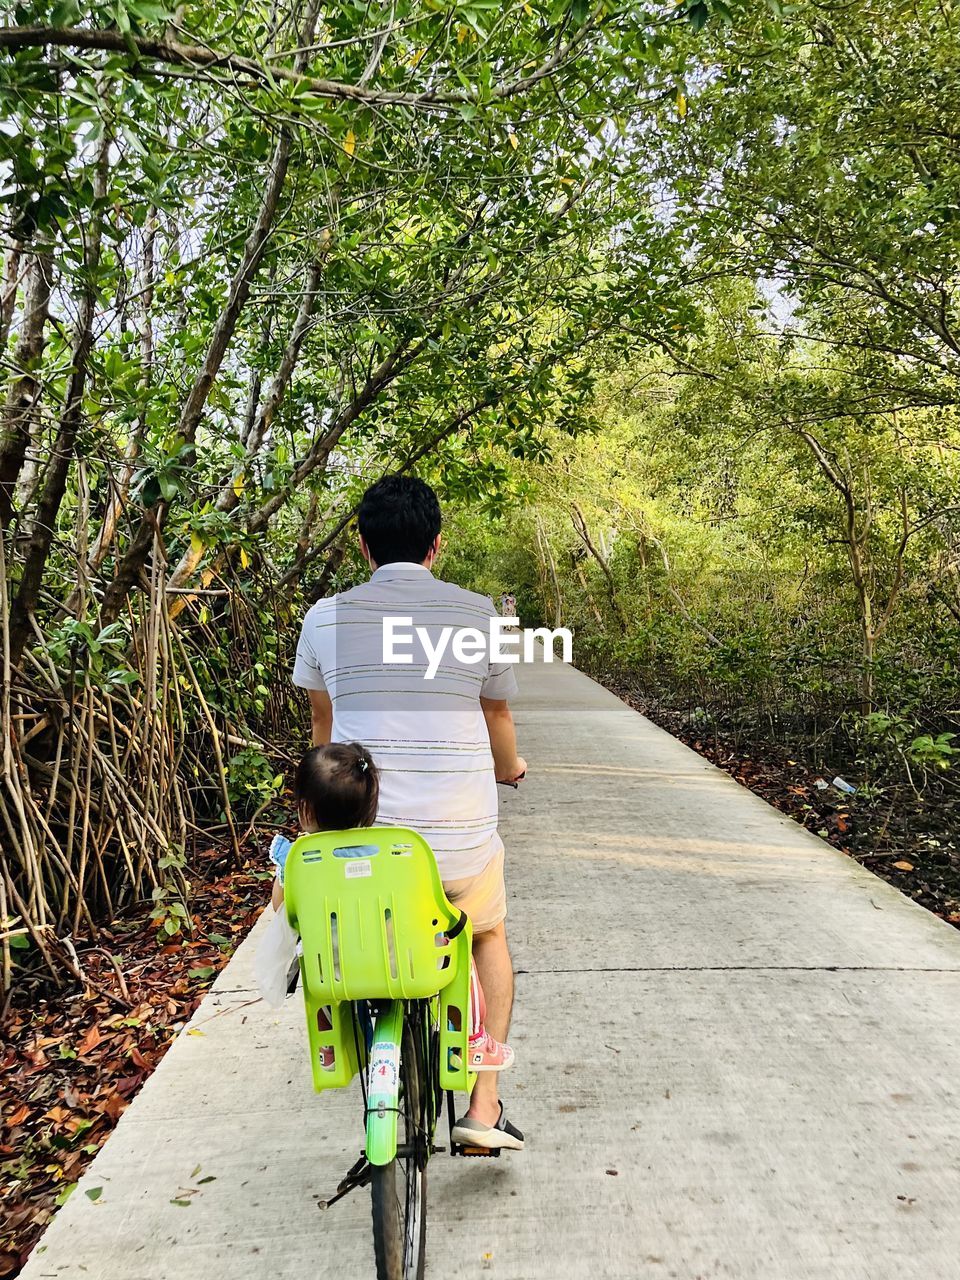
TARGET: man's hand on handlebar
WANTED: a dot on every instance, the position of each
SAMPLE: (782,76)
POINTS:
(517,776)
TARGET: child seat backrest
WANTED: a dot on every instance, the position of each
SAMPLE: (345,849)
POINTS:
(370,909)
(375,923)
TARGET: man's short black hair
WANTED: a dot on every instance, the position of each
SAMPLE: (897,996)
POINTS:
(399,519)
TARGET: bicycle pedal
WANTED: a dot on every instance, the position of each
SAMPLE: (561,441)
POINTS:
(481,1151)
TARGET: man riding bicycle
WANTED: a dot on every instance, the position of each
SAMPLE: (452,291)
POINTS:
(437,724)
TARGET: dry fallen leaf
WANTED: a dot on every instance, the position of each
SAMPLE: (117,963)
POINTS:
(89,1041)
(903,866)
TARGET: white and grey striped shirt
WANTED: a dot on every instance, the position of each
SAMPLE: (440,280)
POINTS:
(428,737)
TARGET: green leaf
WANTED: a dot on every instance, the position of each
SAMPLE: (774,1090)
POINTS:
(65,13)
(93,1193)
(169,487)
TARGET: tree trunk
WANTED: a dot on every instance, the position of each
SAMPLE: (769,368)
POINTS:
(61,458)
(133,562)
(855,535)
(866,676)
(21,404)
(386,372)
(549,561)
(232,488)
(644,566)
(118,500)
(330,567)
(8,292)
(580,524)
(582,579)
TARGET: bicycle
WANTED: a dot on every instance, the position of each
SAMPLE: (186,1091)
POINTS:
(385,969)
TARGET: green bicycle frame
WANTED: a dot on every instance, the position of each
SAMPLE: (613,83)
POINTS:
(383,1088)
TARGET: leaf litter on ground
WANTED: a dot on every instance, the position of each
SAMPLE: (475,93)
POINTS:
(72,1060)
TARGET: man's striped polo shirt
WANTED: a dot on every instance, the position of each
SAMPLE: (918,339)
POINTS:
(428,737)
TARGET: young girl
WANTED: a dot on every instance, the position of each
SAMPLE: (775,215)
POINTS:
(337,788)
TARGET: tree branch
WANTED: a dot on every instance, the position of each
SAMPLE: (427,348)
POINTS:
(175,53)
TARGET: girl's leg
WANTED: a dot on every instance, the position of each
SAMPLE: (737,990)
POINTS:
(478,1006)
(486,1054)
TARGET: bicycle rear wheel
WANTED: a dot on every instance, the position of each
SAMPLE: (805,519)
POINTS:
(399,1189)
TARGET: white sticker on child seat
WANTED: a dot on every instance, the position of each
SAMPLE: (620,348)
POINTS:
(359,868)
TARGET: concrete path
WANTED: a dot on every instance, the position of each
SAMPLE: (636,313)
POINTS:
(738,1056)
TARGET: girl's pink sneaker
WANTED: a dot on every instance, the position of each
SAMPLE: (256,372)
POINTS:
(487,1054)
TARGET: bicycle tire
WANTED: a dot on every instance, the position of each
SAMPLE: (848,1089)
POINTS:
(400,1211)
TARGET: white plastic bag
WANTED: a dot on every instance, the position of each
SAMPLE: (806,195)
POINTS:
(276,956)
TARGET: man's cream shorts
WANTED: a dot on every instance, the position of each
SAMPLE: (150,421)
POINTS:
(483,897)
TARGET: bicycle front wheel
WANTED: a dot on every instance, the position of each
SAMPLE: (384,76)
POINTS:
(399,1189)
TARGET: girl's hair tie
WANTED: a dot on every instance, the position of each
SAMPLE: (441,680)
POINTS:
(363,765)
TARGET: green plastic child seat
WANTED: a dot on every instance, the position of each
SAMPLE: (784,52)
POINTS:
(374,921)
